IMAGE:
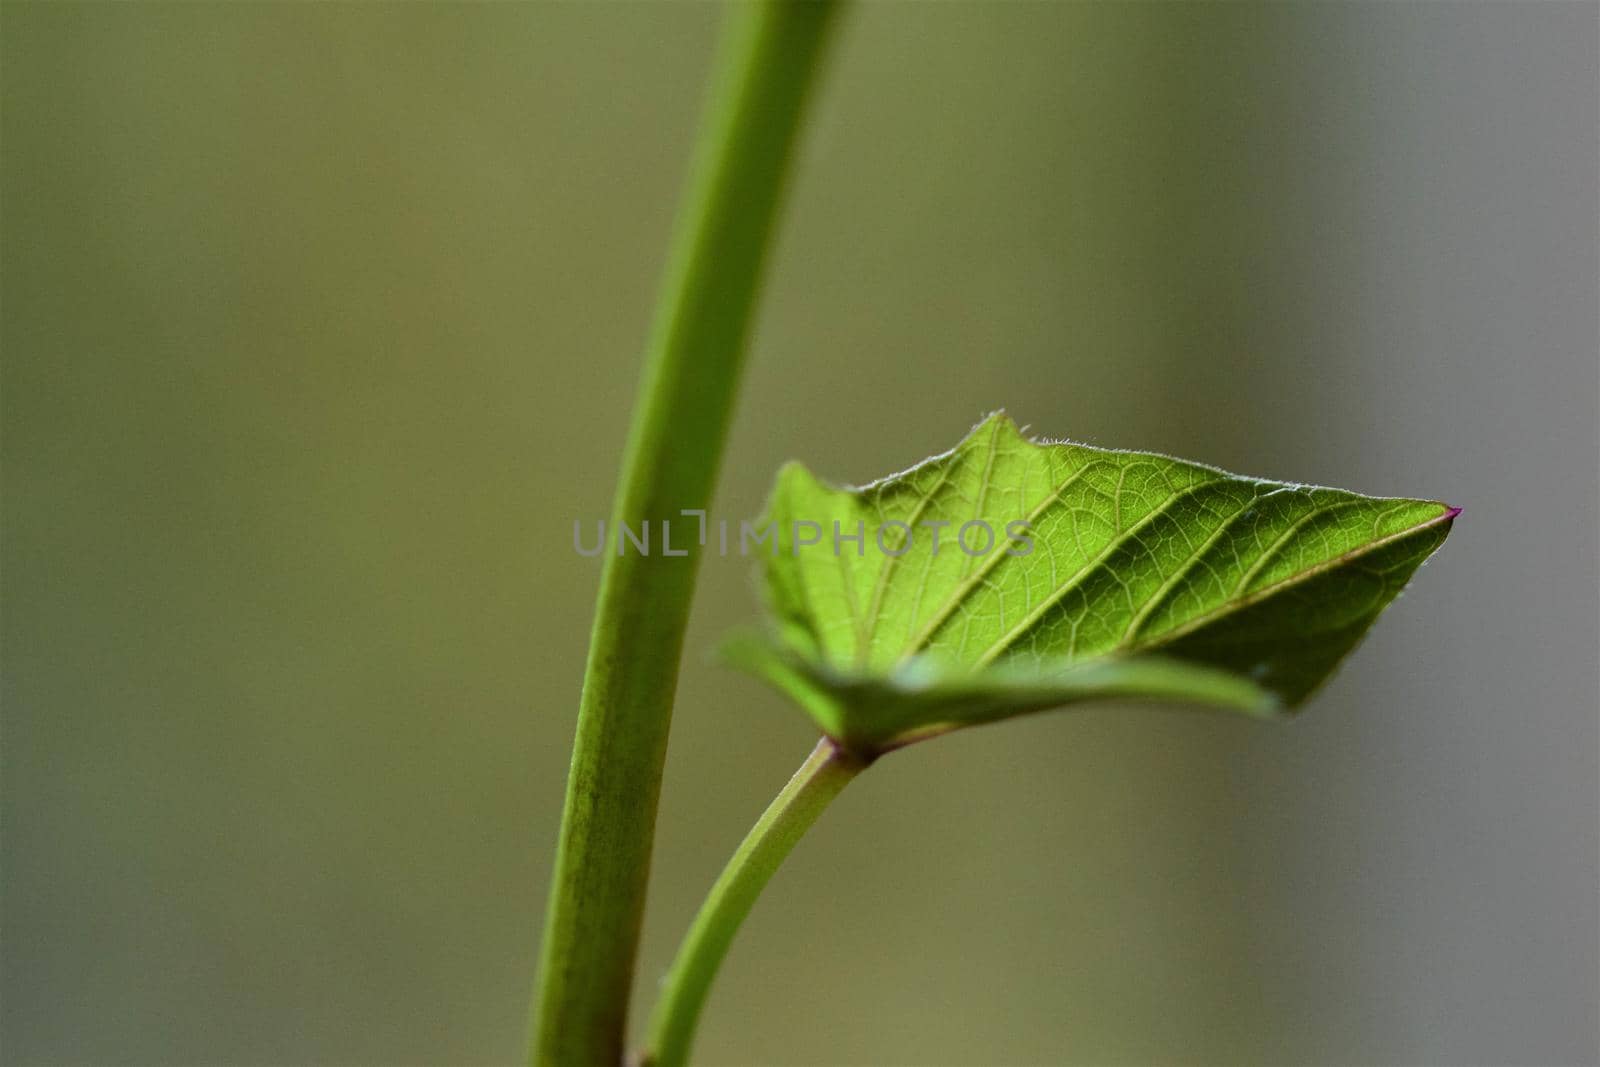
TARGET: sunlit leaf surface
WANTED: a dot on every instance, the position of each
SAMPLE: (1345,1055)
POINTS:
(1011,575)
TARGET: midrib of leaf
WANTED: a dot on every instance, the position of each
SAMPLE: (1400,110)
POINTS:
(1229,606)
(1233,606)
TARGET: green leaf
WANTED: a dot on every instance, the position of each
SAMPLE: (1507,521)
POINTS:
(1010,575)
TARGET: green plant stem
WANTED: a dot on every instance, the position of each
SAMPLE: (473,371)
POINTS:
(820,778)
(675,445)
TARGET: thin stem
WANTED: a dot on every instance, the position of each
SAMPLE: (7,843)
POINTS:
(820,778)
(674,449)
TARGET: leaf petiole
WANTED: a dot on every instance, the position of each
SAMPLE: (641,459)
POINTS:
(820,778)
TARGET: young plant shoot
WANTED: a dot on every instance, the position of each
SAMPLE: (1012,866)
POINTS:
(1124,576)
(1006,576)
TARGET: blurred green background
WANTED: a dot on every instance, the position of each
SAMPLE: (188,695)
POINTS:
(320,327)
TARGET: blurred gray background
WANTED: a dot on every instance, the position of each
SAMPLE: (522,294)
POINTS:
(320,326)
